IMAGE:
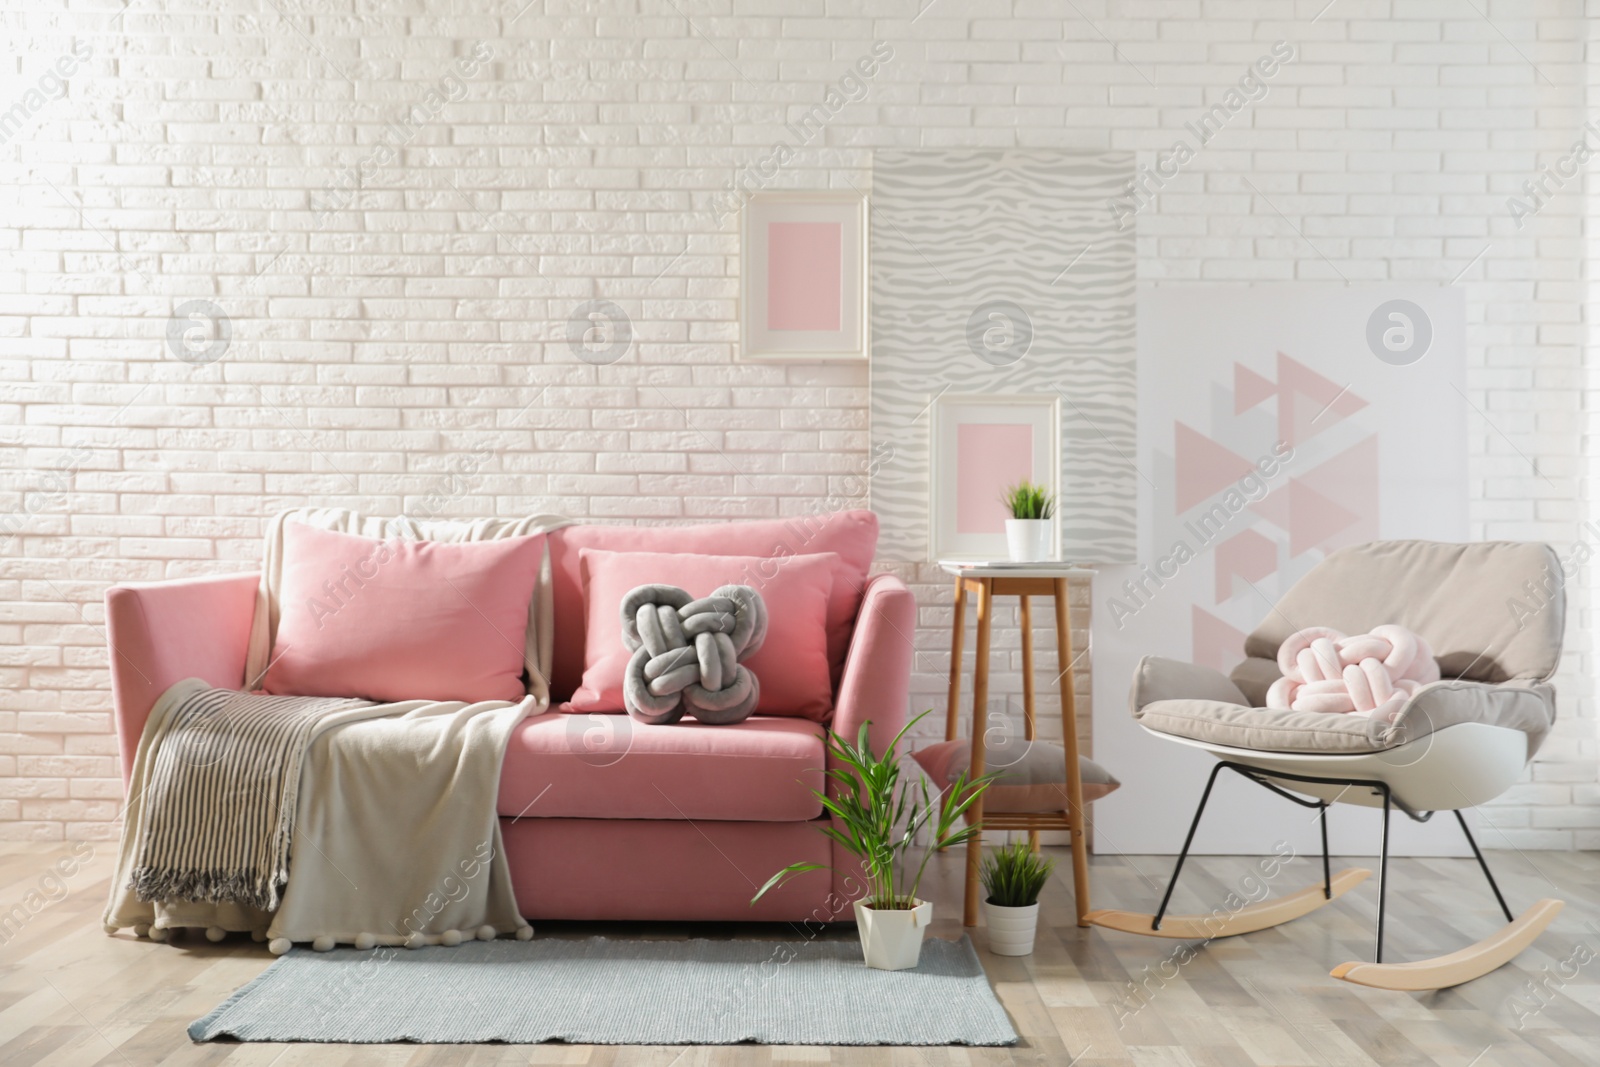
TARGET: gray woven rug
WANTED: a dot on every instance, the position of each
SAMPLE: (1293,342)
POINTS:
(603,992)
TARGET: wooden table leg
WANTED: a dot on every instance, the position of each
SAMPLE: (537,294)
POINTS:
(1069,741)
(980,725)
(958,627)
(1029,724)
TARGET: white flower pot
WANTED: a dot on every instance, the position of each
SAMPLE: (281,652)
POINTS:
(1029,539)
(1011,930)
(892,940)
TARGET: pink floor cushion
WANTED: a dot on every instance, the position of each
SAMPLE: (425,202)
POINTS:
(402,620)
(604,766)
(1033,780)
(851,535)
(791,666)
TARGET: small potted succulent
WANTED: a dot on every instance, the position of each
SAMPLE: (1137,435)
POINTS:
(1028,531)
(876,816)
(1013,876)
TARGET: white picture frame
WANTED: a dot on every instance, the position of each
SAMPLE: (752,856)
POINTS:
(798,300)
(967,471)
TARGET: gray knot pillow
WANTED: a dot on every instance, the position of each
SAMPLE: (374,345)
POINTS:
(686,653)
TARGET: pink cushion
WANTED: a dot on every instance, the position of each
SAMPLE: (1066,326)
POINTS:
(612,767)
(791,666)
(1033,779)
(852,535)
(402,620)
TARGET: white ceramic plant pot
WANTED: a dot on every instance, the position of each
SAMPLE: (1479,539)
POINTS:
(1011,930)
(892,940)
(1028,539)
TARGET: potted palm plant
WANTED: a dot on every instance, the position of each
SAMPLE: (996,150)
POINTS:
(1013,876)
(1028,530)
(876,817)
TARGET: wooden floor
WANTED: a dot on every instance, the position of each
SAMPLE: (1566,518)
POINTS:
(70,995)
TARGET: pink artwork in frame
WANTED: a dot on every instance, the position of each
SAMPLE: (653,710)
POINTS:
(803,267)
(805,275)
(979,444)
(989,457)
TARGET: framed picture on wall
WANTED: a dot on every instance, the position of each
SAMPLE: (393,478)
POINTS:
(980,444)
(803,262)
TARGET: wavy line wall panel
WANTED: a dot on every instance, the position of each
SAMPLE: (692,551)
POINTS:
(1003,272)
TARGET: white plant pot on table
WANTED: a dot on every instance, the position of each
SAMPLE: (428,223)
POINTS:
(1011,930)
(1029,539)
(891,940)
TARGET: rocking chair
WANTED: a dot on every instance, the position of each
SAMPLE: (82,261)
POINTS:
(1494,615)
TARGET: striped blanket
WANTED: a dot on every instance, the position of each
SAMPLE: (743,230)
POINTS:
(220,803)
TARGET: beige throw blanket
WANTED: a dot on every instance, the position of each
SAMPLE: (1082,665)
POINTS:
(396,839)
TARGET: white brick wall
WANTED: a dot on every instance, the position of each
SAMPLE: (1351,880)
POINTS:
(422,321)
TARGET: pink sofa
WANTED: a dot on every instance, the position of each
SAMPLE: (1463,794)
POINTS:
(605,817)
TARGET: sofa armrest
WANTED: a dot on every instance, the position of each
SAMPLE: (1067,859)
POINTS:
(876,684)
(163,632)
(875,688)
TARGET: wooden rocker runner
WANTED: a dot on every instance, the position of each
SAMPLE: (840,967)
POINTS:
(1246,920)
(1453,744)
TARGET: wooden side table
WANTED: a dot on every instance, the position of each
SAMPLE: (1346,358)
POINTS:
(984,582)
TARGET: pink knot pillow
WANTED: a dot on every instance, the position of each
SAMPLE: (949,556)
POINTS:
(402,620)
(1371,674)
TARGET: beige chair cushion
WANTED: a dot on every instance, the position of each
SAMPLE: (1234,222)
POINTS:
(1469,600)
(1181,699)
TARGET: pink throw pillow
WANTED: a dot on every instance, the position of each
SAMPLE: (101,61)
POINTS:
(852,535)
(402,620)
(791,666)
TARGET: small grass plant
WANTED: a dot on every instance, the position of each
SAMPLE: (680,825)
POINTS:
(1013,875)
(1025,500)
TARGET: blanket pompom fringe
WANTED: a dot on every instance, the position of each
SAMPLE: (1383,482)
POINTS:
(362,942)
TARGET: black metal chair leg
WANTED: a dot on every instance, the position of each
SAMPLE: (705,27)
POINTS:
(1155,923)
(1390,801)
(1462,819)
(1327,875)
(1383,877)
